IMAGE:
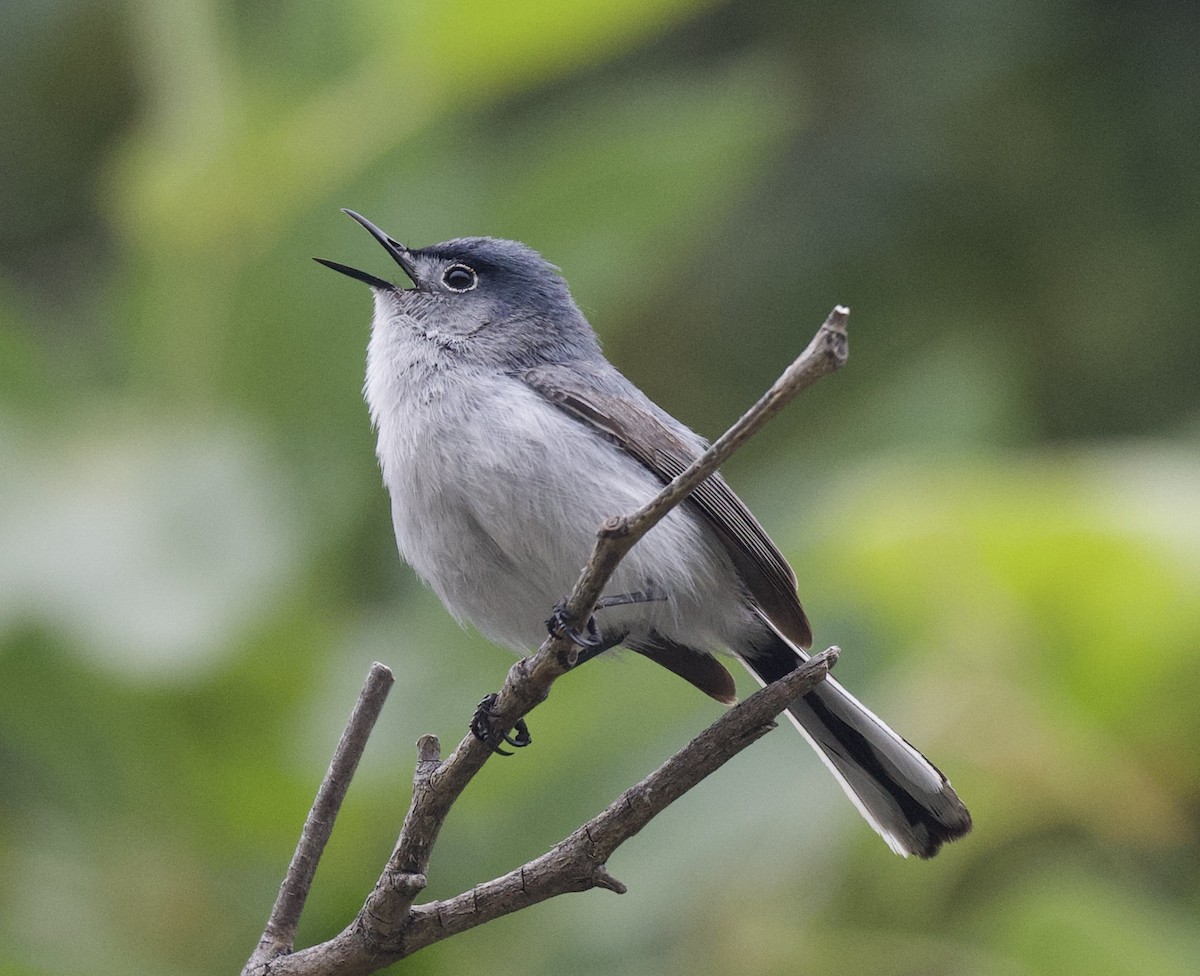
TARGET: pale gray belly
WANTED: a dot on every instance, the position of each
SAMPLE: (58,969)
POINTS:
(500,519)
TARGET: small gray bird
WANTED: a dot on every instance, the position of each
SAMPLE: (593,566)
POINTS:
(506,438)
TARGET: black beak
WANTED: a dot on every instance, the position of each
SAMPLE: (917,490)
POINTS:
(400,254)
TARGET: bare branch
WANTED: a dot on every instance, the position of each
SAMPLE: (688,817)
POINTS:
(280,934)
(389,927)
(578,862)
(404,876)
(825,354)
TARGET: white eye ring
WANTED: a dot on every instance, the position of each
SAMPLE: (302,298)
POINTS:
(459,278)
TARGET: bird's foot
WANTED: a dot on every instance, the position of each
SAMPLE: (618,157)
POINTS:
(592,641)
(484,730)
(558,627)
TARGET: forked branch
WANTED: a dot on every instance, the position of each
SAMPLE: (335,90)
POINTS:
(390,926)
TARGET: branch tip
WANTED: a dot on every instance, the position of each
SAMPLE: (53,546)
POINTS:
(836,323)
(380,672)
(829,656)
(429,749)
(603,879)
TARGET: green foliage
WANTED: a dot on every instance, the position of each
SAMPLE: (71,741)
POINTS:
(993,510)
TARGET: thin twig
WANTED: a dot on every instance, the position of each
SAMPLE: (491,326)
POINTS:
(280,934)
(826,353)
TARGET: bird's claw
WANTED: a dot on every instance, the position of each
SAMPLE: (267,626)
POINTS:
(483,729)
(522,738)
(558,627)
(592,640)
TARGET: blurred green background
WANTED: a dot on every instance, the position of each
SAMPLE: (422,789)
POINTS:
(995,509)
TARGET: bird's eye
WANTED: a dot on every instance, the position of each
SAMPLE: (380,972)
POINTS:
(458,277)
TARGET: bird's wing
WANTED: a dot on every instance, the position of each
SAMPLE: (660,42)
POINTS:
(638,427)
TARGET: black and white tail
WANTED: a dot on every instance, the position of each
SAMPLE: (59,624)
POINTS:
(901,794)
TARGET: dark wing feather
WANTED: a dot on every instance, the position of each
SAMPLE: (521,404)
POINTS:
(636,425)
(697,667)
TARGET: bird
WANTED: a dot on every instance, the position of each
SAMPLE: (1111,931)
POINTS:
(505,438)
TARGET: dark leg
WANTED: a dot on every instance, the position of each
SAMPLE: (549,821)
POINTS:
(651,594)
(556,625)
(606,643)
(593,641)
(592,644)
(483,730)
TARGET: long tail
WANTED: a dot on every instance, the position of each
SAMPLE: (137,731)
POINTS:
(898,791)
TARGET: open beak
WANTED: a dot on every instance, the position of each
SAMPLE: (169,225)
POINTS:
(400,254)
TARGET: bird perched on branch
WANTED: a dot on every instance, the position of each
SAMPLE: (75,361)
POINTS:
(506,438)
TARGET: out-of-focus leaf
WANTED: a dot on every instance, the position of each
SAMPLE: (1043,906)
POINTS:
(150,546)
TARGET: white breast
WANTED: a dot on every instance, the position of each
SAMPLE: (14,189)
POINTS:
(497,496)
